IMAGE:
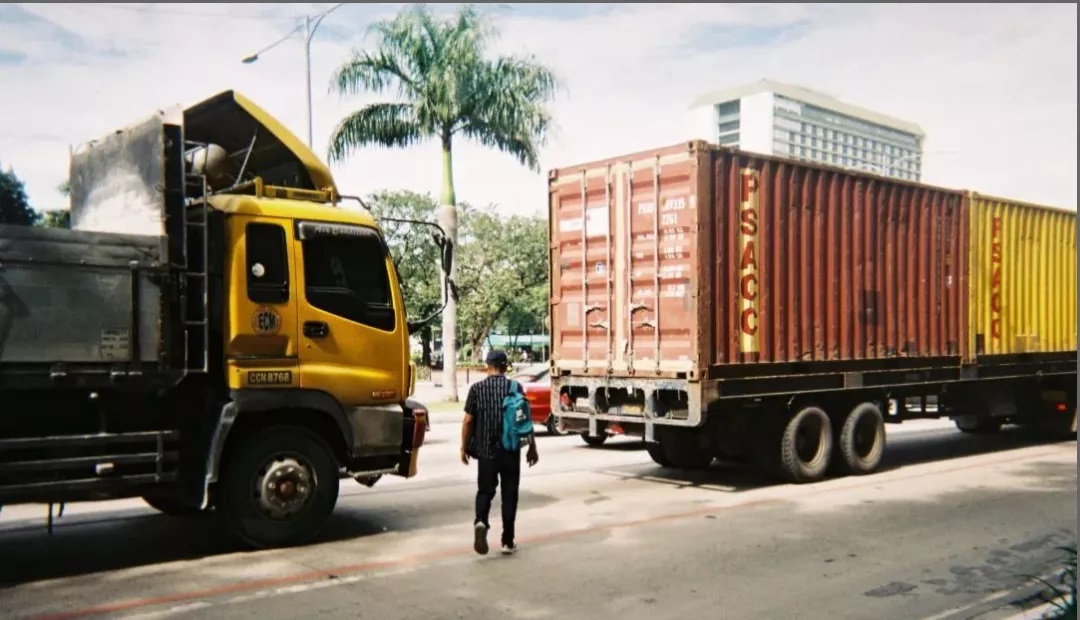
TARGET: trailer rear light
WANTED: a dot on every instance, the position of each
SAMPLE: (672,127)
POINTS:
(1061,407)
(564,401)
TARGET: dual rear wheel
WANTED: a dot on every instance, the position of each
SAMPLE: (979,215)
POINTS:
(811,443)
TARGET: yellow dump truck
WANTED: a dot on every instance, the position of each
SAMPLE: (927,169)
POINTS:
(217,330)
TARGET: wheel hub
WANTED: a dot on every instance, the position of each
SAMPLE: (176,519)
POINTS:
(284,487)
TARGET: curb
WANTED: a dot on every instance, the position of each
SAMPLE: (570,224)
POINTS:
(1035,613)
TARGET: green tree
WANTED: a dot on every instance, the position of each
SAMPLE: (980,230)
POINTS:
(503,272)
(415,253)
(446,86)
(14,204)
(58,218)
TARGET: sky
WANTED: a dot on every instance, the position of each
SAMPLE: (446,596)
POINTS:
(992,85)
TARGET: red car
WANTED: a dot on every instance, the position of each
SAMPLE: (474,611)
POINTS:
(536,381)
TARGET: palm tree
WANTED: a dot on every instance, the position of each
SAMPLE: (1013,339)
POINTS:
(446,87)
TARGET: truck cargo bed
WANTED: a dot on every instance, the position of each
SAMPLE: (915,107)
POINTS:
(75,297)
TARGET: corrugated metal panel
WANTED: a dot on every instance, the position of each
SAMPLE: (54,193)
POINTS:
(1023,277)
(819,264)
(624,278)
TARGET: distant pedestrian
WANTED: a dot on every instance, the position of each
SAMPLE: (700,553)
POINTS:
(481,433)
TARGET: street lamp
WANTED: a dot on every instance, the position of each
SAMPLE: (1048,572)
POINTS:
(311,23)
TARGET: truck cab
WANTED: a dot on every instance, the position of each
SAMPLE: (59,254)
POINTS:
(245,345)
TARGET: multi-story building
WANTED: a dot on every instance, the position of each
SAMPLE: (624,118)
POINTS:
(791,121)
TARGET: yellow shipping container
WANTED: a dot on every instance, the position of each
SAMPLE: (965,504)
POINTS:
(1023,277)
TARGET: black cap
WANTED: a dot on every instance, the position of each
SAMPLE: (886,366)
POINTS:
(496,359)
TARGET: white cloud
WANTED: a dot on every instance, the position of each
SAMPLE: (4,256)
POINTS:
(994,86)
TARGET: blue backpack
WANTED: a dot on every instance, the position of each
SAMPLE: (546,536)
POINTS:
(517,418)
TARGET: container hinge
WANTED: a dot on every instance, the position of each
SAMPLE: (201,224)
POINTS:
(646,323)
(591,309)
(634,308)
(600,325)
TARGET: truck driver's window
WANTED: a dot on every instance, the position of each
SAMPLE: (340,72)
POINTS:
(267,264)
(347,276)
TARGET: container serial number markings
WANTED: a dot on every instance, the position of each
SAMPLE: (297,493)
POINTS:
(269,377)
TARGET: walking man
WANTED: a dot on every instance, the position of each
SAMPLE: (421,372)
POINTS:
(481,431)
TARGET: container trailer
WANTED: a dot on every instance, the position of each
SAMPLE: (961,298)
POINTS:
(723,304)
(242,353)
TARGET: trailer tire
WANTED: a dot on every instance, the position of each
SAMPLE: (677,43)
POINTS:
(806,446)
(862,440)
(256,472)
(594,441)
(978,426)
(686,448)
(656,453)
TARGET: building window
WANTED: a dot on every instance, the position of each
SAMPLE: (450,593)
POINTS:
(728,126)
(731,107)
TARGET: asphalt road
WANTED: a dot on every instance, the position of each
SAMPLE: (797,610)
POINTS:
(955,527)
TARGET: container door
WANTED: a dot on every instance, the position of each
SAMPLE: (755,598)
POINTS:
(660,274)
(352,334)
(582,262)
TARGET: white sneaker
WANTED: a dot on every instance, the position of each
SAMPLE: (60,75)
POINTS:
(509,549)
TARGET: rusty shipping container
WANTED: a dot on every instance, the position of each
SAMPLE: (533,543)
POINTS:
(1023,278)
(694,261)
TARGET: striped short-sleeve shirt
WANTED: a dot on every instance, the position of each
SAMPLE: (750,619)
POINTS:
(484,404)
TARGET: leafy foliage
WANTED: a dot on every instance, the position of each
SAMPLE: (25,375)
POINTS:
(444,86)
(14,204)
(503,273)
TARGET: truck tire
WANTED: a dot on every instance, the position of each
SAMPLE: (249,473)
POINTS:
(862,440)
(169,505)
(656,453)
(552,425)
(978,425)
(279,487)
(686,448)
(594,442)
(806,445)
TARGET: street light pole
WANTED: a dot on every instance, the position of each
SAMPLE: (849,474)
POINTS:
(311,24)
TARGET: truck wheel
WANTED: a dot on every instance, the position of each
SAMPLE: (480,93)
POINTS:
(553,425)
(656,453)
(686,448)
(279,487)
(862,440)
(978,426)
(594,442)
(169,505)
(806,445)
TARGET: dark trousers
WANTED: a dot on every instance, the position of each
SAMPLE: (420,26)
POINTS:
(504,469)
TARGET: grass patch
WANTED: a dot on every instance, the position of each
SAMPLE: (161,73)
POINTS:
(1063,589)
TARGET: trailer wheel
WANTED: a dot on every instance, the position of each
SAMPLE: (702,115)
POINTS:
(656,453)
(978,425)
(594,442)
(686,448)
(279,487)
(862,439)
(806,445)
(552,425)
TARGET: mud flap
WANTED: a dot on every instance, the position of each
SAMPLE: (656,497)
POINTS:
(413,432)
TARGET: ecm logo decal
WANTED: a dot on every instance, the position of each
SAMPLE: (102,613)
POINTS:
(266,321)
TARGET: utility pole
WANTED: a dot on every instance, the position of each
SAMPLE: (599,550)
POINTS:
(311,24)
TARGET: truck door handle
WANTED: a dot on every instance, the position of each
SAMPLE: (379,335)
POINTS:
(316,329)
